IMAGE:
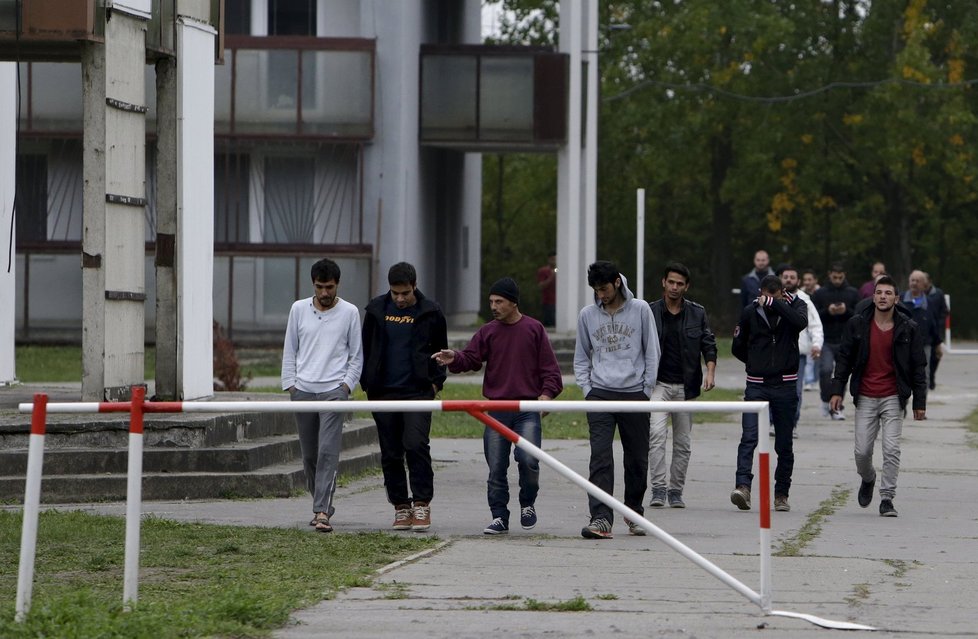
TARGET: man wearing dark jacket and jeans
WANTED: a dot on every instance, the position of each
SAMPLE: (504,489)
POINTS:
(835,303)
(401,331)
(882,352)
(766,340)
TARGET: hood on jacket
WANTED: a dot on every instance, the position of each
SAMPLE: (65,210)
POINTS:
(626,292)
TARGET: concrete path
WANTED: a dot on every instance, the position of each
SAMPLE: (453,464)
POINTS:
(915,575)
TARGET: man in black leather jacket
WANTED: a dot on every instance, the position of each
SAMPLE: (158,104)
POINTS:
(882,353)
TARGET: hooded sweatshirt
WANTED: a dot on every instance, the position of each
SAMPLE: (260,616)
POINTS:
(617,352)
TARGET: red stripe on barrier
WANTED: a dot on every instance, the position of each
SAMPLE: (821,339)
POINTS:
(136,410)
(40,414)
(508,433)
(764,503)
(163,407)
(481,405)
(113,407)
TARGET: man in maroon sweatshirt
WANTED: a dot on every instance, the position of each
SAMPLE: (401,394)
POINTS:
(520,364)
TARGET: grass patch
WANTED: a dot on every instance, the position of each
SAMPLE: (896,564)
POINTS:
(37,363)
(812,527)
(195,579)
(972,424)
(577,604)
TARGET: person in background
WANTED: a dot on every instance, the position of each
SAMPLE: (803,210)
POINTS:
(869,286)
(684,336)
(321,360)
(750,284)
(836,303)
(547,283)
(402,329)
(809,340)
(520,364)
(936,300)
(616,358)
(925,312)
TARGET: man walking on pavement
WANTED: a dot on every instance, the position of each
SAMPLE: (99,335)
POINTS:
(684,336)
(835,303)
(520,364)
(809,340)
(616,358)
(402,329)
(750,284)
(882,351)
(766,340)
(321,360)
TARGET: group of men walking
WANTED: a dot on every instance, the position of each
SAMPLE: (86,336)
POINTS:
(626,349)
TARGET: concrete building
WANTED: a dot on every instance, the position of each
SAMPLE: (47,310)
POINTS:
(344,128)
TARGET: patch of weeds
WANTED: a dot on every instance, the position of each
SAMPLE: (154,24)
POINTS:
(393,590)
(900,567)
(607,597)
(972,424)
(812,527)
(577,604)
(860,593)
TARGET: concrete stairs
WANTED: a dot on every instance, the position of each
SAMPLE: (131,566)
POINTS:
(186,456)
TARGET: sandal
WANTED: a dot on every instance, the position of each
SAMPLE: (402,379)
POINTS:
(322,523)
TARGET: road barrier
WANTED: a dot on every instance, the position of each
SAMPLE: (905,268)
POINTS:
(138,407)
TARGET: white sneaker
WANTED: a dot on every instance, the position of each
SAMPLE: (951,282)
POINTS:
(838,415)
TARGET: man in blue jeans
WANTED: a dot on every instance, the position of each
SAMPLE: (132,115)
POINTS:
(766,340)
(520,364)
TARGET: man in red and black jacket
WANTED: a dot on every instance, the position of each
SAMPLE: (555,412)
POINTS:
(766,340)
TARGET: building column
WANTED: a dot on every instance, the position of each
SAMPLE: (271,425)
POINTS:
(113,241)
(8,181)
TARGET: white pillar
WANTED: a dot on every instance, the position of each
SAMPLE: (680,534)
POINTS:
(8,162)
(195,208)
(571,282)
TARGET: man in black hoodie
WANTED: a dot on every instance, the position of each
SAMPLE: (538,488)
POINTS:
(835,303)
(401,331)
(766,340)
(882,350)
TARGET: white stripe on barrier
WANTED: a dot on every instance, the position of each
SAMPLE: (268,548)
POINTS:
(28,536)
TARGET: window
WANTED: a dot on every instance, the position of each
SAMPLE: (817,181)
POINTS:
(292,17)
(237,17)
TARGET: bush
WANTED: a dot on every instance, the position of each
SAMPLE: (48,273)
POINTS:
(227,369)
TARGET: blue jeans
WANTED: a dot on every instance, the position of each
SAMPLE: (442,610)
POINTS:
(497,447)
(782,399)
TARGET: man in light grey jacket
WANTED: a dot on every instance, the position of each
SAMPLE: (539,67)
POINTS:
(616,358)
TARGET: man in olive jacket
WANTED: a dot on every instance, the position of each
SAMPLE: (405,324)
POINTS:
(882,351)
(401,331)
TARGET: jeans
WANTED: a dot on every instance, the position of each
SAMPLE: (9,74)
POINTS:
(873,414)
(802,364)
(682,428)
(782,399)
(406,436)
(826,366)
(320,439)
(497,447)
(634,431)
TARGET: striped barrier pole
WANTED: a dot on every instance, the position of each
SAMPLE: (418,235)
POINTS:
(32,502)
(134,498)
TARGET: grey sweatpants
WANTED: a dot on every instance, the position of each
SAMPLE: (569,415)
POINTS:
(320,438)
(875,414)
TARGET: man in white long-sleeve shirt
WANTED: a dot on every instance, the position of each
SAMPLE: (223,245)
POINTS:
(322,360)
(809,340)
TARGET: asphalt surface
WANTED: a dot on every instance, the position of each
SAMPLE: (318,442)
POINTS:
(914,575)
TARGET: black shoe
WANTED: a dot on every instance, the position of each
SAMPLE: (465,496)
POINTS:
(887,509)
(865,496)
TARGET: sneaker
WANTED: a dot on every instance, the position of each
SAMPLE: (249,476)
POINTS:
(635,529)
(887,509)
(865,495)
(740,497)
(781,503)
(421,516)
(676,499)
(528,517)
(810,386)
(658,498)
(599,528)
(770,431)
(499,526)
(837,415)
(826,411)
(402,517)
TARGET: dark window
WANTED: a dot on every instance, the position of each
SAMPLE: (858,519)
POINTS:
(31,198)
(237,17)
(292,17)
(231,198)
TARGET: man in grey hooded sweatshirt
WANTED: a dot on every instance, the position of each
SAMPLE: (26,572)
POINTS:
(616,358)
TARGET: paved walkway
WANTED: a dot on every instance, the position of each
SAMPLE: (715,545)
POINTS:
(915,575)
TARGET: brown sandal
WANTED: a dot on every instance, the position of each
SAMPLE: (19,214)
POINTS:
(322,523)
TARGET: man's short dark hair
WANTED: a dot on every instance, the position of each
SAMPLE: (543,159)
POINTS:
(838,267)
(676,267)
(325,270)
(602,272)
(785,267)
(402,273)
(885,279)
(809,271)
(771,284)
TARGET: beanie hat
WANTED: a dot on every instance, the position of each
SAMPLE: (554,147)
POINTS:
(507,288)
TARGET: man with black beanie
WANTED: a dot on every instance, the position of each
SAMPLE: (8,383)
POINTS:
(520,364)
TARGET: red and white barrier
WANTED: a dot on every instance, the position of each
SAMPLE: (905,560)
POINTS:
(137,408)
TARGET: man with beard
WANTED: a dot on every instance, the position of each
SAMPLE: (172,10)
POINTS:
(836,303)
(882,351)
(809,340)
(520,364)
(321,360)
